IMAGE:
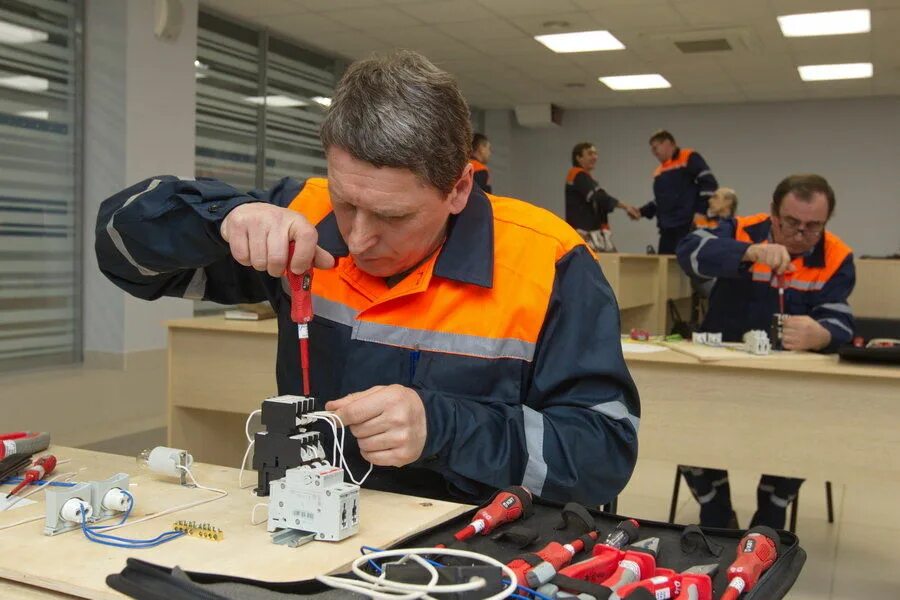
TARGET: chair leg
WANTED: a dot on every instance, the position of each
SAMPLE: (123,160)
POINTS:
(613,506)
(793,526)
(675,489)
(829,502)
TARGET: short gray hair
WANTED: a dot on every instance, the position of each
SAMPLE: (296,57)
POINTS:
(401,111)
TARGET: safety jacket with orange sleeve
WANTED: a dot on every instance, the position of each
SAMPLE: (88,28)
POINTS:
(509,334)
(482,175)
(745,295)
(681,188)
(587,204)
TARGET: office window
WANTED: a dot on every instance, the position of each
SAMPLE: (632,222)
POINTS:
(40,65)
(260,101)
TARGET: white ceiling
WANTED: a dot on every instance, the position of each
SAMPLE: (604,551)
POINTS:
(489,45)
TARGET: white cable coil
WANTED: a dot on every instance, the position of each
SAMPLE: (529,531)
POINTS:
(382,588)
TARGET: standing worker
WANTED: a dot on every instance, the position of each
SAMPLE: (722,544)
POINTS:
(682,185)
(587,204)
(748,257)
(467,342)
(481,155)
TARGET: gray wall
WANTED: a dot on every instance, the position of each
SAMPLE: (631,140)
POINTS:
(750,147)
(139,122)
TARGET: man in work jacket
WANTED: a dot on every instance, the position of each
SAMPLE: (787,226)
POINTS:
(746,255)
(481,154)
(470,339)
(587,204)
(682,185)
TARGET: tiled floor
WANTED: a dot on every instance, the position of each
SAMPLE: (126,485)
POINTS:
(855,557)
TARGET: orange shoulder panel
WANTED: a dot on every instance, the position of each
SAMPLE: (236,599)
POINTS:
(743,222)
(573,172)
(313,201)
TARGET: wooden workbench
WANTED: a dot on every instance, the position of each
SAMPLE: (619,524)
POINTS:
(807,415)
(35,566)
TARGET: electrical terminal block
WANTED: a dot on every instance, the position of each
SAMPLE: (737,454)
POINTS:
(315,500)
(756,341)
(204,531)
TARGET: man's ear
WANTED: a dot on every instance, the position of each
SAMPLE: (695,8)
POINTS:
(459,195)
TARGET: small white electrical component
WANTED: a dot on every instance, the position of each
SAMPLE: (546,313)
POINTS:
(166,461)
(74,510)
(756,341)
(698,337)
(314,500)
(707,338)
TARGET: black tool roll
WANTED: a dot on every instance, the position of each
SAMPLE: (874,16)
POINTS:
(680,548)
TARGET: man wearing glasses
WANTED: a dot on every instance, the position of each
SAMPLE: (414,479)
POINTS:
(750,257)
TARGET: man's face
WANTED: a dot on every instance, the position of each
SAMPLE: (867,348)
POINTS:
(800,223)
(588,158)
(390,219)
(483,154)
(663,150)
(719,206)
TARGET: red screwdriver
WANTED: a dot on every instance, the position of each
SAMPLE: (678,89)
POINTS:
(41,467)
(301,313)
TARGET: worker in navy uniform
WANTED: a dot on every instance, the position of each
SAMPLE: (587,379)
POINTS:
(587,204)
(682,185)
(481,155)
(468,342)
(746,255)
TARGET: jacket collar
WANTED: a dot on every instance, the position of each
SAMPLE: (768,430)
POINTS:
(467,255)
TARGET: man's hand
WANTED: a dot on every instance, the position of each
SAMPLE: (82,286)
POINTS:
(804,333)
(775,256)
(259,233)
(387,421)
(633,212)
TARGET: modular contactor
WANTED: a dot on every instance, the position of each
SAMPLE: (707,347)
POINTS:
(756,341)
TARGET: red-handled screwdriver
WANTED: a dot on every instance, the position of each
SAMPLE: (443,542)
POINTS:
(41,468)
(756,552)
(301,313)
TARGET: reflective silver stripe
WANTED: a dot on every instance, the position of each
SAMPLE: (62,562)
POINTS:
(840,307)
(762,275)
(616,409)
(333,311)
(780,502)
(838,323)
(695,255)
(196,289)
(117,239)
(707,497)
(805,285)
(766,488)
(439,341)
(706,193)
(704,173)
(536,469)
(720,482)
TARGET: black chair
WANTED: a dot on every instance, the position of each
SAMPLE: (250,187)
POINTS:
(829,502)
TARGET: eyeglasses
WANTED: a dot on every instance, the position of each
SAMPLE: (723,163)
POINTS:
(792,226)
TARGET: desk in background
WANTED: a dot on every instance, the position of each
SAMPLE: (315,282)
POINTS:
(70,564)
(801,416)
(643,283)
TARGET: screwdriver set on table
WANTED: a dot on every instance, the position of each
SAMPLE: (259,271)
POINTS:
(557,551)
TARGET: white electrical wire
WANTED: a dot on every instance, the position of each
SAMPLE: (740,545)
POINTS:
(253,520)
(382,588)
(222,494)
(250,443)
(327,417)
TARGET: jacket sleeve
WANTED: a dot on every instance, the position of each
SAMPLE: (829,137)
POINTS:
(592,194)
(648,211)
(161,237)
(483,179)
(832,310)
(713,253)
(575,437)
(704,179)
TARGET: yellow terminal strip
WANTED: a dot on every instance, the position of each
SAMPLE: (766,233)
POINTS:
(200,530)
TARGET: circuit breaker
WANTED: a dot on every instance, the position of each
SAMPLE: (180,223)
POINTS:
(315,499)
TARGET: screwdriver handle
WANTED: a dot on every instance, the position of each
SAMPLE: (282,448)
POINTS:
(301,291)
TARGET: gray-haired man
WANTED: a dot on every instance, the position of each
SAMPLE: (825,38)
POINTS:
(469,339)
